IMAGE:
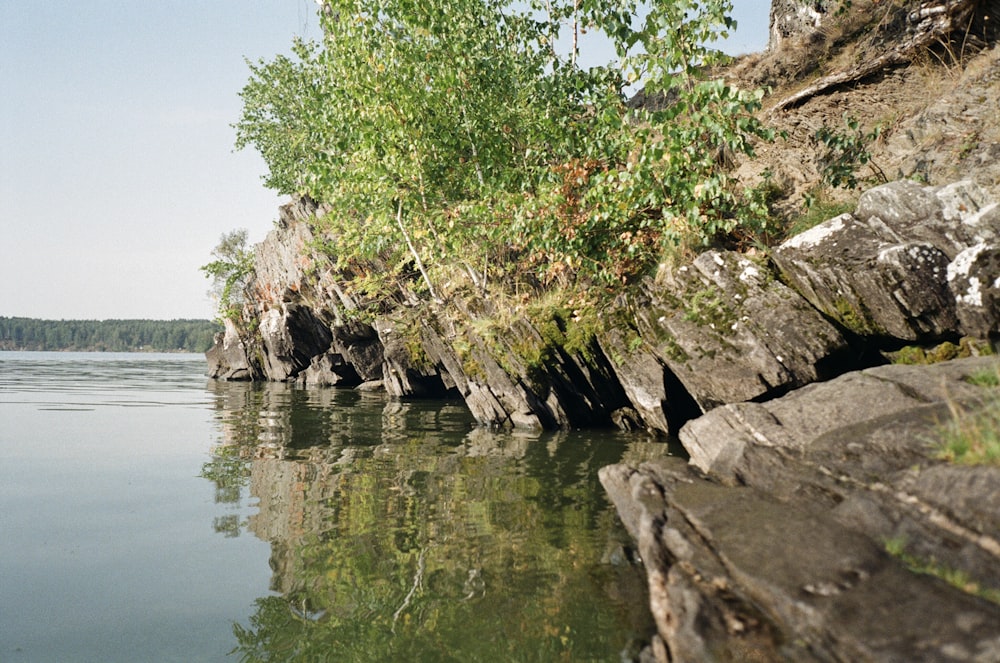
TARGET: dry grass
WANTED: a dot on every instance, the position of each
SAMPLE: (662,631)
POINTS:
(972,437)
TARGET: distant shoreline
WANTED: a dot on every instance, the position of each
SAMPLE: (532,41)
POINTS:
(150,351)
(175,336)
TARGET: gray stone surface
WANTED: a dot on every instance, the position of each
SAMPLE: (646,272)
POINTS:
(868,439)
(793,19)
(913,263)
(502,388)
(291,335)
(730,332)
(330,370)
(227,359)
(737,575)
(770,544)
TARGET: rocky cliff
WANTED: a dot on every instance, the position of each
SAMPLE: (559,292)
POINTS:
(811,454)
(911,265)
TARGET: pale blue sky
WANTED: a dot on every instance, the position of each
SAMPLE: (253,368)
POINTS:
(117,169)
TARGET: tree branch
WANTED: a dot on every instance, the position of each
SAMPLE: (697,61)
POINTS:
(932,23)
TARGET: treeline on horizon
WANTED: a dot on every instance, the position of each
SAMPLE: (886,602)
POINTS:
(107,335)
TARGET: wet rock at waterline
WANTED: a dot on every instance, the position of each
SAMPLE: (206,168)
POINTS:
(227,359)
(291,335)
(329,370)
(737,575)
(521,378)
(778,550)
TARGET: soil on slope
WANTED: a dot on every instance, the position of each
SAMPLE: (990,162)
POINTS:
(937,114)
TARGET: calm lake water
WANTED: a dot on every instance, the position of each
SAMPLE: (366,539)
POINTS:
(149,514)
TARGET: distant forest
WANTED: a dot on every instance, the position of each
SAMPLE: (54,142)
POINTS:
(107,335)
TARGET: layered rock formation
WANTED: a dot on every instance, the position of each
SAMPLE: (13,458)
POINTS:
(913,264)
(771,544)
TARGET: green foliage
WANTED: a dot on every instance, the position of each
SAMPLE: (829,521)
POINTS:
(451,134)
(106,335)
(230,273)
(655,177)
(846,151)
(280,103)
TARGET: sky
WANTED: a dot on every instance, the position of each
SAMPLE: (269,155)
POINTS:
(118,174)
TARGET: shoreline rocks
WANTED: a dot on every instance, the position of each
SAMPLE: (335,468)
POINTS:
(736,575)
(771,543)
(807,457)
(912,264)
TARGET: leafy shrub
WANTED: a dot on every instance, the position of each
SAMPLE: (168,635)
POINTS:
(230,273)
(845,152)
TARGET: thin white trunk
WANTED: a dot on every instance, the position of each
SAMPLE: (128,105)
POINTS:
(413,251)
(576,31)
(475,152)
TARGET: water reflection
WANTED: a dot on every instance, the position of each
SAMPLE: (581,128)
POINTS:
(399,531)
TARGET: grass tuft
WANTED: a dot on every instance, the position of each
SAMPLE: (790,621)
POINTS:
(957,578)
(972,437)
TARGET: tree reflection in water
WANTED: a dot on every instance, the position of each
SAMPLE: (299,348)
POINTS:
(400,531)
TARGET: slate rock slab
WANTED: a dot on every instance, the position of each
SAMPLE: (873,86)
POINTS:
(913,263)
(731,332)
(737,575)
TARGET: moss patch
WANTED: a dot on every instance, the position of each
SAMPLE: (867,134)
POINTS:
(709,307)
(920,355)
(853,318)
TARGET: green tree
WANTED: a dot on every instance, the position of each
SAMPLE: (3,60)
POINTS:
(453,132)
(106,335)
(230,273)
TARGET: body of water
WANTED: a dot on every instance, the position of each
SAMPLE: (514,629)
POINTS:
(148,514)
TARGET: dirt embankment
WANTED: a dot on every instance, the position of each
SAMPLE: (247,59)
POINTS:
(931,92)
